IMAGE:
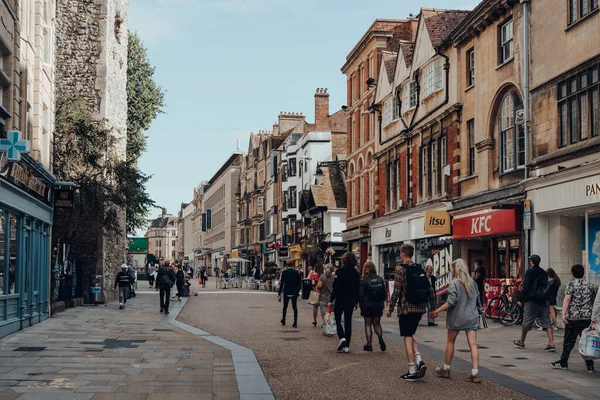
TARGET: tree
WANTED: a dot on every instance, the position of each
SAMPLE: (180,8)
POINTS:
(145,100)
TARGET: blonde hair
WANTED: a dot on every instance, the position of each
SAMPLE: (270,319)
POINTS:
(459,271)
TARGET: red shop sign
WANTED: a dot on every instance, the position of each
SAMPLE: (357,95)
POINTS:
(485,222)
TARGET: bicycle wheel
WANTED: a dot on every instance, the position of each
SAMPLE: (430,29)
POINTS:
(512,314)
(493,309)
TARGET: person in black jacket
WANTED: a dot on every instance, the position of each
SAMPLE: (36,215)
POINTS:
(345,299)
(432,280)
(164,281)
(535,307)
(123,280)
(290,286)
(371,297)
(180,282)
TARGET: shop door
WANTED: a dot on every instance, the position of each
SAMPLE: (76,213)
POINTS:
(27,272)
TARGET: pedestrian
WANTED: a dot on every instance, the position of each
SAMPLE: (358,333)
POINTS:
(165,279)
(180,282)
(553,286)
(151,277)
(371,298)
(133,278)
(535,298)
(290,286)
(314,276)
(412,292)
(596,309)
(203,277)
(344,298)
(325,288)
(432,280)
(479,277)
(123,280)
(463,307)
(154,277)
(577,309)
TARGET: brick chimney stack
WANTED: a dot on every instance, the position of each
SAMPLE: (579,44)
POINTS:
(322,109)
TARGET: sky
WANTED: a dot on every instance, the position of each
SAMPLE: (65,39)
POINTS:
(228,68)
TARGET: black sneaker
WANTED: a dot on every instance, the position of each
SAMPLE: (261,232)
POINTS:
(283,322)
(162,311)
(590,368)
(341,345)
(368,347)
(559,365)
(550,349)
(166,312)
(518,344)
(382,345)
(408,377)
(421,369)
(120,307)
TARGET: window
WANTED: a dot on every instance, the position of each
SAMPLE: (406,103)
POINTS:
(471,141)
(393,179)
(259,205)
(284,173)
(506,41)
(173,253)
(413,94)
(160,243)
(578,99)
(292,167)
(47,43)
(432,79)
(424,165)
(435,177)
(580,8)
(470,68)
(173,243)
(391,110)
(405,97)
(284,202)
(512,136)
(443,162)
(208,219)
(292,197)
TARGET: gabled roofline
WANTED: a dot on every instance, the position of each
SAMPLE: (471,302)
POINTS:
(227,164)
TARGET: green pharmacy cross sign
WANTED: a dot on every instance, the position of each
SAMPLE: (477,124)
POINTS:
(14,145)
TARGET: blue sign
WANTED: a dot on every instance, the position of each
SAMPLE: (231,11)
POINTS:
(14,145)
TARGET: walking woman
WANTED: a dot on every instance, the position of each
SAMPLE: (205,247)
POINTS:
(371,298)
(180,282)
(554,285)
(463,315)
(325,287)
(314,277)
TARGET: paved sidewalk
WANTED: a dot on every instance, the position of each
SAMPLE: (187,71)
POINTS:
(103,353)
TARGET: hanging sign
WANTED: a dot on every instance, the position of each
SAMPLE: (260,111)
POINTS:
(437,222)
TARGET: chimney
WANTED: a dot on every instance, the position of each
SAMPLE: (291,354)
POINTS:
(322,109)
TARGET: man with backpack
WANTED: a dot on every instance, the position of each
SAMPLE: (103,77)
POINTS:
(165,281)
(535,298)
(123,280)
(413,293)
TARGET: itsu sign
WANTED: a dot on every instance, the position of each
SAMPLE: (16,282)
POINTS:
(486,222)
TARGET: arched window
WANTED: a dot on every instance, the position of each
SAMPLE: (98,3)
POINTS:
(511,134)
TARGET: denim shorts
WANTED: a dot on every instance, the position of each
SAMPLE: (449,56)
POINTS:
(472,329)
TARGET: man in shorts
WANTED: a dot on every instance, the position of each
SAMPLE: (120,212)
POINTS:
(409,314)
(123,281)
(535,306)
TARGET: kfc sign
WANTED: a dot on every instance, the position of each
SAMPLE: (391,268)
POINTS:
(486,222)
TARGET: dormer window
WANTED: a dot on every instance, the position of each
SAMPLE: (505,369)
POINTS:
(432,78)
(409,96)
(391,110)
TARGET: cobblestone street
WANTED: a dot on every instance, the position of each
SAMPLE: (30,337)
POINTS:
(301,363)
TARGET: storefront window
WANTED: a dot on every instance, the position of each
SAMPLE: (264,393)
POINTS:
(509,259)
(12,262)
(389,258)
(3,272)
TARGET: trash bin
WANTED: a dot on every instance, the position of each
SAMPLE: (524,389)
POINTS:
(306,288)
(96,294)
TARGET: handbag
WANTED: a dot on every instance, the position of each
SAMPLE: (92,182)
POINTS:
(483,324)
(329,327)
(313,299)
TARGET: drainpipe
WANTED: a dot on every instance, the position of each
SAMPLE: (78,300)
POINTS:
(526,80)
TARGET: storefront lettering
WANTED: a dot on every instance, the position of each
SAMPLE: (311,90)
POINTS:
(592,189)
(441,268)
(481,224)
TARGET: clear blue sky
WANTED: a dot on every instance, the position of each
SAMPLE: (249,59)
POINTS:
(230,66)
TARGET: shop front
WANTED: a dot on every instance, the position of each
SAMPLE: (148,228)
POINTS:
(565,227)
(26,210)
(359,243)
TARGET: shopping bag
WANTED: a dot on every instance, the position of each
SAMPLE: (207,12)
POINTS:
(483,324)
(329,328)
(589,344)
(313,299)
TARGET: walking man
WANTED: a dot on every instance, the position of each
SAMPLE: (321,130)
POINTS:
(536,302)
(165,281)
(413,293)
(432,280)
(290,286)
(345,299)
(123,280)
(576,314)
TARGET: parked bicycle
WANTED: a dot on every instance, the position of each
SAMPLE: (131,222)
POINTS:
(505,308)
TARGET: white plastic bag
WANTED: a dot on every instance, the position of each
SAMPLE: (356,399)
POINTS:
(329,327)
(589,344)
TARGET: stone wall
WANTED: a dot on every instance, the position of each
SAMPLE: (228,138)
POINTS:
(91,61)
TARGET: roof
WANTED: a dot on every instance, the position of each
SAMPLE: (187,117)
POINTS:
(440,23)
(234,157)
(407,49)
(332,193)
(389,61)
(162,222)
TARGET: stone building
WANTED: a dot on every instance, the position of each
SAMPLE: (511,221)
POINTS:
(91,64)
(197,232)
(419,114)
(162,237)
(184,250)
(361,69)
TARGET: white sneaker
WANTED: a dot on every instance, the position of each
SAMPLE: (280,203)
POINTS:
(346,349)
(341,345)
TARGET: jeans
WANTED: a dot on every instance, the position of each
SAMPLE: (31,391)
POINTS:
(165,298)
(286,301)
(346,310)
(572,330)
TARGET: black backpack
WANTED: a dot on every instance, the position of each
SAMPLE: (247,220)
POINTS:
(377,291)
(417,284)
(540,289)
(166,280)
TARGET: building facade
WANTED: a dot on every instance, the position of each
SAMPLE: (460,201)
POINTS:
(162,237)
(197,232)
